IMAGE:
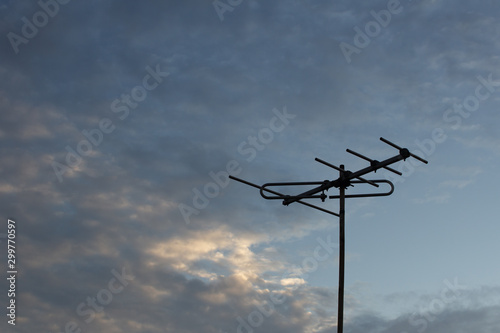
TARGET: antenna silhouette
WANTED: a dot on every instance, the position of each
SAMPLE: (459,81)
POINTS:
(346,178)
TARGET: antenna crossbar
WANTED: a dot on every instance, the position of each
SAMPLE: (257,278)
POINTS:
(346,177)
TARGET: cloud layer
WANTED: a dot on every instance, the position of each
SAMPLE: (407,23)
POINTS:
(100,148)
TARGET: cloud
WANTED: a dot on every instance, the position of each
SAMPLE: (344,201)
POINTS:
(469,308)
(481,320)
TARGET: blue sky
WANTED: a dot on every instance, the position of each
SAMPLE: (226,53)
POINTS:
(121,119)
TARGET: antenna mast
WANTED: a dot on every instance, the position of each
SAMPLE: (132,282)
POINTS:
(346,178)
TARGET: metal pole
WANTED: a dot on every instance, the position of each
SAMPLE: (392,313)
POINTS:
(340,315)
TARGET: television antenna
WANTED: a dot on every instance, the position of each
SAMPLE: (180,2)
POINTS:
(346,178)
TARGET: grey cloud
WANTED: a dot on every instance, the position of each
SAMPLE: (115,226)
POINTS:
(482,320)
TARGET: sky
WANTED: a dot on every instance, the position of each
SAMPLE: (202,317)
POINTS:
(121,120)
